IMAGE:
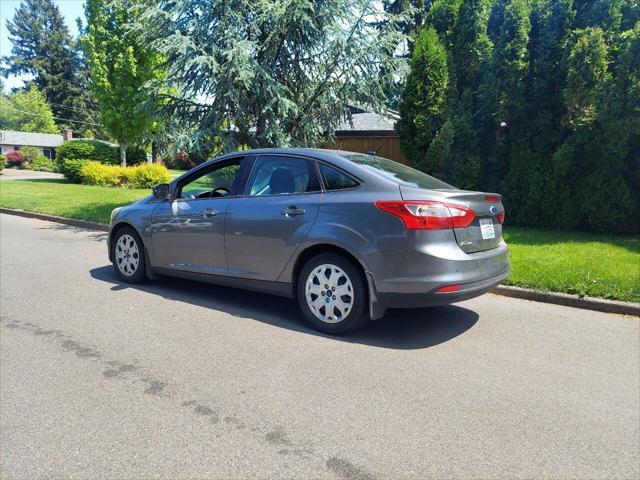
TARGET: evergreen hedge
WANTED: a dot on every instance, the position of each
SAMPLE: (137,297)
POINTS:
(539,100)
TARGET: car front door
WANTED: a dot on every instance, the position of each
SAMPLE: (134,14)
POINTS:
(266,224)
(187,233)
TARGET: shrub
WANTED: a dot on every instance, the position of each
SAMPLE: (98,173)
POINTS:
(30,153)
(71,168)
(15,159)
(3,162)
(135,156)
(147,175)
(97,150)
(41,163)
(96,173)
(142,176)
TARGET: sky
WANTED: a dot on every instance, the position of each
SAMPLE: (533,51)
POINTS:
(70,9)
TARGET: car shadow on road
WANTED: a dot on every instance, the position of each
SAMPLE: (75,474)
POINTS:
(399,329)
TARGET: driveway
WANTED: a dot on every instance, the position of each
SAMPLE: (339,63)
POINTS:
(15,174)
(175,379)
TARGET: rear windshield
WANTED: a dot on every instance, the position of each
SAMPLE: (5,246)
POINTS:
(398,172)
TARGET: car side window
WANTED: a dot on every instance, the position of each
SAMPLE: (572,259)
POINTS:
(215,182)
(335,179)
(282,175)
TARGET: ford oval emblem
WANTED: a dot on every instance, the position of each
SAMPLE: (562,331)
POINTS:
(493,209)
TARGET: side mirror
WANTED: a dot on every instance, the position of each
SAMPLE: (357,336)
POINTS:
(161,191)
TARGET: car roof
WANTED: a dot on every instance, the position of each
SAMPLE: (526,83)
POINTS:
(338,158)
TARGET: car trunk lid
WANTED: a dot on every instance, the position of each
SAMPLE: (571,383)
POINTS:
(485,231)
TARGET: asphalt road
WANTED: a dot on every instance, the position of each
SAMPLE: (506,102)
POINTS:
(176,379)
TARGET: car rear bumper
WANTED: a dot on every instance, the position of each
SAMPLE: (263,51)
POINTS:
(467,291)
(473,274)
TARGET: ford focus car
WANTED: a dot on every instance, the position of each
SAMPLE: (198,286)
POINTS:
(348,235)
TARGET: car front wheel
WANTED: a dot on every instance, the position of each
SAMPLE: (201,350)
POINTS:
(128,256)
(332,294)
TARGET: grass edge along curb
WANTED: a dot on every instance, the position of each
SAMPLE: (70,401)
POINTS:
(569,300)
(74,222)
(565,299)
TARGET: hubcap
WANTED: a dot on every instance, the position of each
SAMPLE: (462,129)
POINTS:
(329,293)
(127,255)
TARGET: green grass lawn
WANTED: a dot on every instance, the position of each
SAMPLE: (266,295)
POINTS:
(59,197)
(604,266)
(596,265)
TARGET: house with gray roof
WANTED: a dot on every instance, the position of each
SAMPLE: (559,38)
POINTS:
(46,142)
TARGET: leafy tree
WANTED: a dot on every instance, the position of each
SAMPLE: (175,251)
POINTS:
(119,65)
(413,12)
(587,75)
(471,58)
(442,16)
(505,119)
(543,105)
(424,99)
(263,73)
(42,47)
(27,111)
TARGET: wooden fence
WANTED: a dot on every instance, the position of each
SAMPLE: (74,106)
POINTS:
(388,146)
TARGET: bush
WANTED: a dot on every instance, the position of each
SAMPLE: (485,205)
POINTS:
(30,153)
(135,156)
(41,163)
(15,159)
(142,176)
(3,162)
(97,150)
(148,175)
(71,168)
(96,173)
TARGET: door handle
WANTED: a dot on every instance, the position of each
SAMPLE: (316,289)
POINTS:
(292,211)
(208,212)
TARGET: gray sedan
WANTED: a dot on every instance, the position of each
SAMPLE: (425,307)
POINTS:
(346,234)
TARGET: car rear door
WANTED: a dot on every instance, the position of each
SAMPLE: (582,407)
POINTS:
(265,225)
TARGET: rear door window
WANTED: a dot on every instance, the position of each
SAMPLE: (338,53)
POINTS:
(336,180)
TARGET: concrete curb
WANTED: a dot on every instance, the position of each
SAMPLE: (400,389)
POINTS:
(568,300)
(588,303)
(54,218)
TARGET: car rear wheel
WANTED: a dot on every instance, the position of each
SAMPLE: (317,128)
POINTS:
(332,294)
(128,256)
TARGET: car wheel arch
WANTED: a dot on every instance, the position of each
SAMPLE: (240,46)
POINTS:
(119,226)
(311,251)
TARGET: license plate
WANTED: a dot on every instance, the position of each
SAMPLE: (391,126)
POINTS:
(486,228)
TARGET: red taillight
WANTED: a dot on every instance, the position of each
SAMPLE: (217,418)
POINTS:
(491,198)
(500,218)
(448,289)
(428,215)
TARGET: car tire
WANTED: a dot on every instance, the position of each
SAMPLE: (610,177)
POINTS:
(128,256)
(332,294)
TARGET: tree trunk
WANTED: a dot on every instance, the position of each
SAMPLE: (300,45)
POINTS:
(123,154)
(154,152)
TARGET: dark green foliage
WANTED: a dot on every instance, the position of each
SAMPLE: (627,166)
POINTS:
(543,105)
(424,98)
(71,168)
(98,150)
(272,73)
